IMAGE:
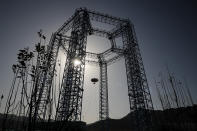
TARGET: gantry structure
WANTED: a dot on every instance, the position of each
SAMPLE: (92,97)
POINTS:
(69,106)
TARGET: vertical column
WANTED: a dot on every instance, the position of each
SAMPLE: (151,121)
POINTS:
(44,73)
(138,90)
(70,98)
(103,91)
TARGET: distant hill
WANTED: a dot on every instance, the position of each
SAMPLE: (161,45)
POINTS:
(180,119)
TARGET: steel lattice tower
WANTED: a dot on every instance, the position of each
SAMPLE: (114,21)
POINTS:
(71,93)
(70,100)
(103,103)
(44,73)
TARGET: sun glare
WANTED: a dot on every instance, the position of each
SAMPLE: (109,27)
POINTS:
(77,62)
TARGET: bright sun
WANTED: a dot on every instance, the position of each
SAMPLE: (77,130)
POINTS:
(77,62)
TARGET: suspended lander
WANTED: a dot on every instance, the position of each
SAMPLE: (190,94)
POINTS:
(94,80)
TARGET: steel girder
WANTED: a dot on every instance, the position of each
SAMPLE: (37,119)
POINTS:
(103,91)
(40,97)
(71,93)
(138,90)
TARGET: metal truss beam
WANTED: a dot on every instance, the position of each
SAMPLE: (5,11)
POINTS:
(114,59)
(40,97)
(101,33)
(103,101)
(138,90)
(70,98)
(105,18)
(117,31)
(93,58)
(66,26)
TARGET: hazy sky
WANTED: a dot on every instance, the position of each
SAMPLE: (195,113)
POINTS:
(166,31)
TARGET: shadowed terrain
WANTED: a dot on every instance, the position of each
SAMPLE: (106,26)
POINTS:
(181,119)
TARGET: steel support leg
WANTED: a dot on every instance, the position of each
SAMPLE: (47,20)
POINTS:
(43,81)
(138,90)
(103,102)
(70,99)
